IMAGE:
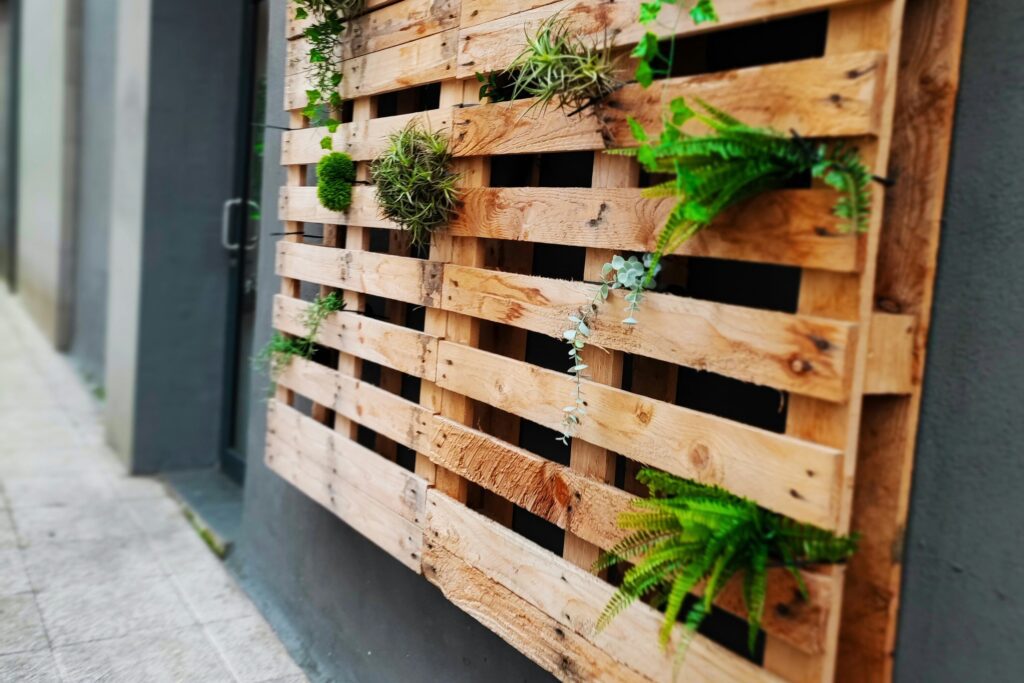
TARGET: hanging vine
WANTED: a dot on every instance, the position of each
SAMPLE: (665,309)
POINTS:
(324,36)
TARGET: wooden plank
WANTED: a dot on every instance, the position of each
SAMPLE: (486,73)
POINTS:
(397,277)
(491,46)
(874,26)
(384,343)
(396,418)
(574,597)
(925,104)
(476,12)
(793,477)
(465,330)
(562,652)
(425,60)
(803,354)
(398,23)
(786,227)
(363,140)
(388,529)
(890,368)
(589,508)
(347,464)
(295,27)
(831,96)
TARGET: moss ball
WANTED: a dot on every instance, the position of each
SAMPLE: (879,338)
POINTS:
(334,177)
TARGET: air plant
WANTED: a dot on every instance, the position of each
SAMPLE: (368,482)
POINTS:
(416,186)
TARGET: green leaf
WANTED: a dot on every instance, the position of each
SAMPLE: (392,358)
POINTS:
(332,125)
(703,11)
(327,142)
(301,13)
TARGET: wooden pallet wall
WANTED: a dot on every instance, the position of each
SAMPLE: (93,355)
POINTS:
(423,407)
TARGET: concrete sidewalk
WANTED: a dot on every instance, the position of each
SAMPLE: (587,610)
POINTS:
(101,576)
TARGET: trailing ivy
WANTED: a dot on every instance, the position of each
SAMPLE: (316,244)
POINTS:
(687,533)
(324,37)
(653,62)
(558,66)
(416,186)
(280,350)
(335,174)
(735,162)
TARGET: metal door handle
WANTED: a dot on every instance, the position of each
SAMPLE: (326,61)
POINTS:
(225,223)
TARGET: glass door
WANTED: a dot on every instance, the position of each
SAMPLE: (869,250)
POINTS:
(240,236)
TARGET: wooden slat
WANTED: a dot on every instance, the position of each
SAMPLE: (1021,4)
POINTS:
(384,343)
(790,476)
(348,465)
(803,354)
(399,23)
(874,26)
(562,652)
(400,420)
(573,597)
(925,103)
(786,227)
(425,60)
(396,277)
(294,27)
(890,368)
(362,140)
(491,46)
(589,509)
(833,96)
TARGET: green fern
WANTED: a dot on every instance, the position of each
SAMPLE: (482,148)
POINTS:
(734,162)
(687,533)
(280,350)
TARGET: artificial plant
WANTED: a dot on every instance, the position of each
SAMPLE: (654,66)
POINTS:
(335,174)
(324,37)
(686,534)
(416,184)
(559,66)
(280,350)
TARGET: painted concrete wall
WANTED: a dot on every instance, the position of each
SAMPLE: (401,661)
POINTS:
(96,114)
(178,66)
(6,175)
(45,163)
(962,615)
(347,609)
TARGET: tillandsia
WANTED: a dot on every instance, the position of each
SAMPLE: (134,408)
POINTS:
(280,350)
(653,62)
(734,162)
(416,185)
(335,174)
(324,37)
(686,534)
(557,66)
(620,273)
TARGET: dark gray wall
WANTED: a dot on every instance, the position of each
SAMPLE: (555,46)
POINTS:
(92,206)
(195,69)
(962,615)
(348,610)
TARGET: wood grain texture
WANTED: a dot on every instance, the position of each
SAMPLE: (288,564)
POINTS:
(377,341)
(396,418)
(425,60)
(832,96)
(492,45)
(803,354)
(928,81)
(890,368)
(405,279)
(294,27)
(794,477)
(574,597)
